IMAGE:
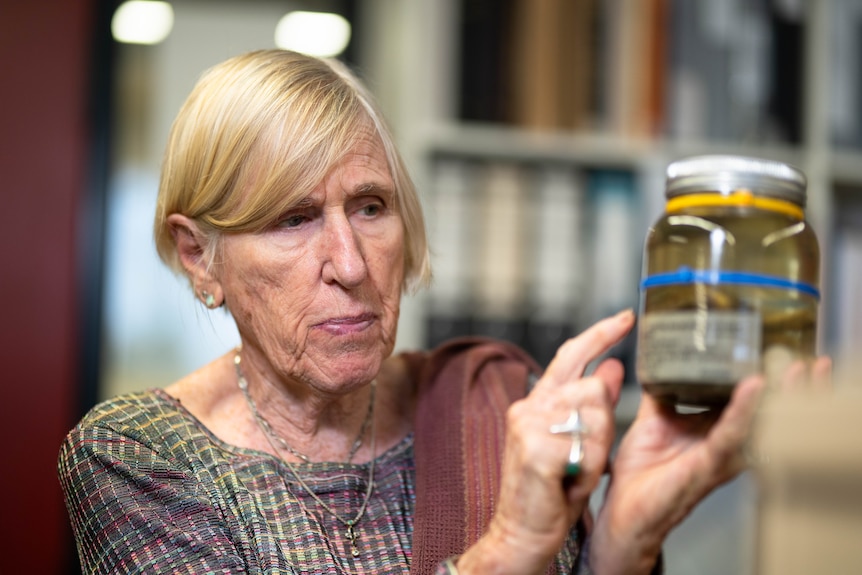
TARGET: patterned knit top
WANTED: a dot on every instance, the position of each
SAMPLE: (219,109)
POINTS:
(146,483)
(150,489)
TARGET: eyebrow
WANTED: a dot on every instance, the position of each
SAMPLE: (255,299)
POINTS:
(372,188)
(365,189)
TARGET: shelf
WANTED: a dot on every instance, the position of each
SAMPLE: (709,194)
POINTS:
(487,141)
(503,142)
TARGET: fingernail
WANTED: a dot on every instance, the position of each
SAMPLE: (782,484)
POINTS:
(625,314)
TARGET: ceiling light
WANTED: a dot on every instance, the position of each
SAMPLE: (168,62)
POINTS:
(142,22)
(316,33)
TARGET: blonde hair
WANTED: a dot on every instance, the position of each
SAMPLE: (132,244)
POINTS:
(257,134)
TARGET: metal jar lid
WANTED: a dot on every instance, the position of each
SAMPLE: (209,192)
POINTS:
(726,174)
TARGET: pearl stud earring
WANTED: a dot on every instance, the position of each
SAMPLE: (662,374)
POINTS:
(209,299)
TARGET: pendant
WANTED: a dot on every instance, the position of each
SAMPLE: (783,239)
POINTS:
(352,535)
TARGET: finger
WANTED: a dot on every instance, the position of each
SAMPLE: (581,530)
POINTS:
(593,391)
(794,377)
(651,407)
(591,398)
(727,437)
(821,373)
(529,433)
(575,354)
(595,447)
(745,400)
(611,372)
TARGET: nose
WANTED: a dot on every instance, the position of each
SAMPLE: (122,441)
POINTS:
(343,261)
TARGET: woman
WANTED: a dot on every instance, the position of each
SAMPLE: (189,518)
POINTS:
(310,448)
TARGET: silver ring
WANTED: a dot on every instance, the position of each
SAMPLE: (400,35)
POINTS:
(577,430)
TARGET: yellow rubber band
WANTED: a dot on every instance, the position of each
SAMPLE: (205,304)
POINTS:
(741,198)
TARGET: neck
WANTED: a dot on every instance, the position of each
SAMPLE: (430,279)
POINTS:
(304,425)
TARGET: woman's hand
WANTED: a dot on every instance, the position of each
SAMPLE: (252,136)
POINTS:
(668,462)
(538,504)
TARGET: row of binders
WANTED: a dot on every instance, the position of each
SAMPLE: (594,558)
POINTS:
(529,252)
(701,69)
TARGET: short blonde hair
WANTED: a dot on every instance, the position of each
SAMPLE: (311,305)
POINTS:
(257,134)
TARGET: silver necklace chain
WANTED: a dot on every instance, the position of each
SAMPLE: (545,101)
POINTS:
(352,532)
(262,422)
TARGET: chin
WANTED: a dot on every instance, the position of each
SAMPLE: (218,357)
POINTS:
(353,366)
(351,356)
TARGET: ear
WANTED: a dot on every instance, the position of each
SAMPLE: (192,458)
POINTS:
(192,249)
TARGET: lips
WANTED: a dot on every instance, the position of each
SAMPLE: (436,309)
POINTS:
(344,325)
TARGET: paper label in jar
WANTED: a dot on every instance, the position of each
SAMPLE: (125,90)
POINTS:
(698,346)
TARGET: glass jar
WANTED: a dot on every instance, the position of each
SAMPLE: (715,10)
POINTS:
(730,279)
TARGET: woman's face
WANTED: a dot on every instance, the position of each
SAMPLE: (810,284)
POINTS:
(319,292)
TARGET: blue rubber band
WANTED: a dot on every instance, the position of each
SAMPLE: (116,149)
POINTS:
(686,275)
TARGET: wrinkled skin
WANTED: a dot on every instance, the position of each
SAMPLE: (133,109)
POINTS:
(318,295)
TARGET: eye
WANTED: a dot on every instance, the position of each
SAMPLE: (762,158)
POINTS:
(369,206)
(371,209)
(292,221)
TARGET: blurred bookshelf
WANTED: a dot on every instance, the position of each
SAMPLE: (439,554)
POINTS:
(583,103)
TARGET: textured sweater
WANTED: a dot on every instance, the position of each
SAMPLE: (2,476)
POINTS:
(150,489)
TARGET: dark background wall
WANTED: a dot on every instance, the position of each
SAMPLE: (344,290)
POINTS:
(46,55)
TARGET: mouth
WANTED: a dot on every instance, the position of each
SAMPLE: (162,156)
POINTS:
(346,325)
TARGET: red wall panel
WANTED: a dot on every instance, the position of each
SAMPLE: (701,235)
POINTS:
(44,90)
